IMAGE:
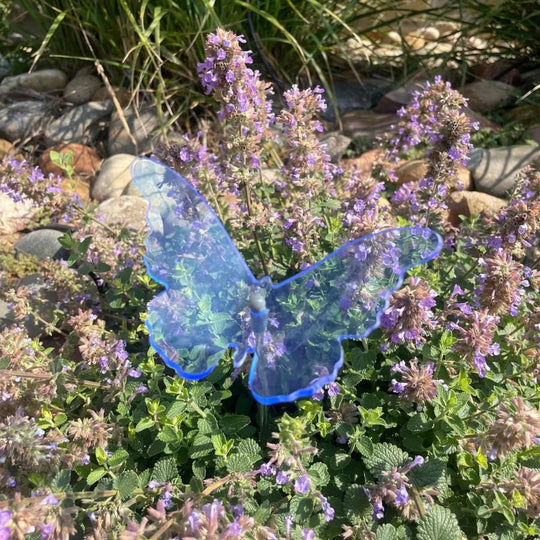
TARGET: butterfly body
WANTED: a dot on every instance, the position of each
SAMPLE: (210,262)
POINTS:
(294,329)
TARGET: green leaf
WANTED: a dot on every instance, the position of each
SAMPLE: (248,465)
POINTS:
(232,423)
(200,447)
(248,447)
(418,424)
(208,425)
(361,360)
(318,473)
(386,532)
(199,469)
(438,524)
(144,423)
(177,408)
(118,458)
(263,513)
(95,475)
(384,457)
(61,480)
(363,445)
(430,473)
(240,463)
(126,483)
(301,508)
(165,470)
(356,503)
(101,456)
(338,461)
(168,434)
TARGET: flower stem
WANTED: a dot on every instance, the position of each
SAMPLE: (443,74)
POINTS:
(255,234)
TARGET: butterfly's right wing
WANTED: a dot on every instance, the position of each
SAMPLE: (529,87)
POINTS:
(200,314)
(343,296)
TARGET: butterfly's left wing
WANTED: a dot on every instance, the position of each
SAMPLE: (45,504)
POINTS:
(202,311)
(343,296)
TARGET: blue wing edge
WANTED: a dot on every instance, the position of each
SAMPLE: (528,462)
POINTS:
(239,354)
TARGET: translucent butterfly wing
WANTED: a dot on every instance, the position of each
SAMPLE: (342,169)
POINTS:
(202,311)
(342,296)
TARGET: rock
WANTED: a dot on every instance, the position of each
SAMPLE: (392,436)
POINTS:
(86,161)
(411,171)
(21,119)
(14,215)
(42,243)
(414,40)
(534,133)
(367,123)
(471,203)
(336,144)
(526,114)
(81,89)
(354,95)
(141,125)
(501,71)
(5,66)
(494,173)
(43,80)
(7,317)
(429,33)
(530,79)
(364,163)
(485,96)
(77,186)
(448,29)
(77,124)
(113,178)
(131,190)
(44,307)
(399,97)
(126,210)
(416,169)
(122,95)
(483,122)
(5,148)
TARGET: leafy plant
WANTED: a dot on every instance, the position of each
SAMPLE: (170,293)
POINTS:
(430,430)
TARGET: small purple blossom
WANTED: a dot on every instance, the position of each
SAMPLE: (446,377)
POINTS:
(302,484)
(282,478)
(308,534)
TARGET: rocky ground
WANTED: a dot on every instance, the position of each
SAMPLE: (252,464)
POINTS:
(45,111)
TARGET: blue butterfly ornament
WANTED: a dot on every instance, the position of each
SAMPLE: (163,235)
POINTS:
(293,330)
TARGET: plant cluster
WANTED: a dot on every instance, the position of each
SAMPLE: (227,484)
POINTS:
(430,431)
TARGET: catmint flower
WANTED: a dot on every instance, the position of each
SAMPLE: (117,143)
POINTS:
(527,483)
(333,389)
(267,469)
(308,534)
(409,314)
(434,116)
(402,496)
(282,478)
(417,384)
(5,518)
(50,500)
(517,426)
(328,511)
(501,284)
(517,224)
(393,488)
(289,518)
(476,332)
(302,484)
